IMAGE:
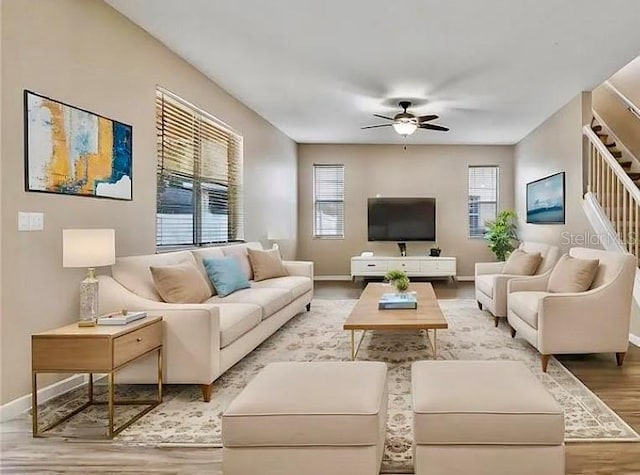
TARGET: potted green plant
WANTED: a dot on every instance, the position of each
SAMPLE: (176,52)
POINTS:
(501,234)
(435,250)
(398,279)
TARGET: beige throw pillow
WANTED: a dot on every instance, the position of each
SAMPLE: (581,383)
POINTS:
(572,274)
(266,264)
(180,283)
(240,254)
(522,263)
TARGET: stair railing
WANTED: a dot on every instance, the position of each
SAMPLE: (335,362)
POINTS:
(631,107)
(618,195)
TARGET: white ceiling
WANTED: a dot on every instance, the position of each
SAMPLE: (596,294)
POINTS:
(492,69)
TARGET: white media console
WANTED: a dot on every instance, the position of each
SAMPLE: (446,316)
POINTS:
(414,266)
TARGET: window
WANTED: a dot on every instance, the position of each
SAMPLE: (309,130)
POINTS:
(199,175)
(328,201)
(483,198)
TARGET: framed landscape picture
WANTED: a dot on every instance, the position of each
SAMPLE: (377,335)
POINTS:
(72,151)
(546,200)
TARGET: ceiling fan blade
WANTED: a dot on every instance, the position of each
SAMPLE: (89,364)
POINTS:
(383,116)
(433,127)
(374,126)
(427,118)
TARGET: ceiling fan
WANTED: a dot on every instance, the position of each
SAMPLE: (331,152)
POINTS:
(405,123)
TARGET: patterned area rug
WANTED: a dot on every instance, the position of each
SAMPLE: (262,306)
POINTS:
(184,420)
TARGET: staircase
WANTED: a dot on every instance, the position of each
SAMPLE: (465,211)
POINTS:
(626,161)
(613,188)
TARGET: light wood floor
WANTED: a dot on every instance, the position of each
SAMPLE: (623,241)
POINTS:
(618,387)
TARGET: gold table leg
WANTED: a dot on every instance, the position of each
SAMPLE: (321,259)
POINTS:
(354,348)
(353,345)
(435,344)
(34,403)
(433,341)
(111,390)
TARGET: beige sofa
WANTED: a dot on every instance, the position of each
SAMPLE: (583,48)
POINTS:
(491,284)
(595,321)
(202,341)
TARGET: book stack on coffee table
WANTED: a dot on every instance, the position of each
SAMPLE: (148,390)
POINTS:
(398,301)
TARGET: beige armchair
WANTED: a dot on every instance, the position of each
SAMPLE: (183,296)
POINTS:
(491,284)
(595,321)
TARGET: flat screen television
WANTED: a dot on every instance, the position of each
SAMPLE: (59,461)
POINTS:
(402,219)
(546,201)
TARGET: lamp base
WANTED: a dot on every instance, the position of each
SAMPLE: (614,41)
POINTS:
(89,300)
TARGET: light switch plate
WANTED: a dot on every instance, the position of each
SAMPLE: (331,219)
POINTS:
(36,221)
(23,221)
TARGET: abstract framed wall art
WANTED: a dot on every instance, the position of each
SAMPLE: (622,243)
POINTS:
(546,200)
(72,151)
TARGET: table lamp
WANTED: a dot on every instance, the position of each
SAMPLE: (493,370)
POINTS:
(89,248)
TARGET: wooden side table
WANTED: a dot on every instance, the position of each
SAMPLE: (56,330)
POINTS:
(100,349)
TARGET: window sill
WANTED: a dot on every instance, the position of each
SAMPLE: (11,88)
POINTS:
(330,238)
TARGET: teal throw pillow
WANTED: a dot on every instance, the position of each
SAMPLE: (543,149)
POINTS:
(226,275)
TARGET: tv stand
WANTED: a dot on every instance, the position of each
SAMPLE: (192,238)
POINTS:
(403,249)
(414,266)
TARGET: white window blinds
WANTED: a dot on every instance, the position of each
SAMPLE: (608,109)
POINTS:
(328,201)
(199,176)
(483,198)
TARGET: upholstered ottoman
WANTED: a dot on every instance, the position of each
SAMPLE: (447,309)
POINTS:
(308,418)
(484,418)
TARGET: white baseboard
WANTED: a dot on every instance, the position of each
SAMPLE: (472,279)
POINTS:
(19,406)
(331,277)
(634,339)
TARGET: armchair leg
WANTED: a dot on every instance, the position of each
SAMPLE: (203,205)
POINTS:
(496,320)
(206,391)
(513,332)
(620,358)
(309,307)
(545,362)
(479,305)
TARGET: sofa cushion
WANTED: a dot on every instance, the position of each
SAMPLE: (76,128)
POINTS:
(207,253)
(572,274)
(240,254)
(134,272)
(180,283)
(226,275)
(297,285)
(526,305)
(310,404)
(522,263)
(483,403)
(485,283)
(217,252)
(237,319)
(266,264)
(270,300)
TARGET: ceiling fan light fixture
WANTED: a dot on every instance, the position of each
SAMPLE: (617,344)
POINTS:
(405,128)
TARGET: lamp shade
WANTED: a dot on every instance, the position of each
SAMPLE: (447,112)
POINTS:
(88,247)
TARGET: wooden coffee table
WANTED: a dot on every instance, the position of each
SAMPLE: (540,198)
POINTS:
(366,316)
